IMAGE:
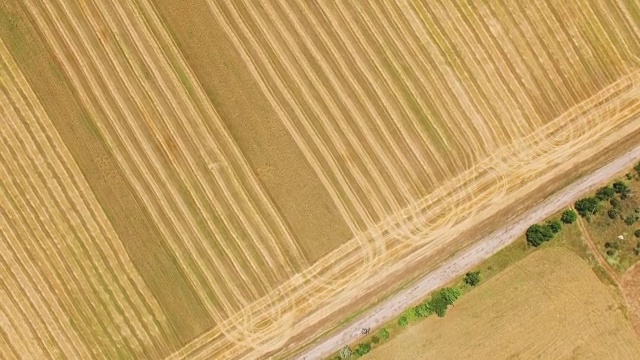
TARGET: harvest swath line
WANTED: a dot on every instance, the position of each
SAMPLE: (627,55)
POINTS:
(351,221)
(415,96)
(344,126)
(60,255)
(132,71)
(617,103)
(260,70)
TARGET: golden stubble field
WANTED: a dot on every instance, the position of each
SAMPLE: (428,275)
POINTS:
(550,305)
(224,179)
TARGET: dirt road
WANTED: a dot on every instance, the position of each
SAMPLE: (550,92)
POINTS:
(469,258)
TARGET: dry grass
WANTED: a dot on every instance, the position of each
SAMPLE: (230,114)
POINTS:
(549,305)
(602,229)
(398,124)
(255,127)
(77,129)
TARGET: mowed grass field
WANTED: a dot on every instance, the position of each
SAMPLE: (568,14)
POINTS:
(550,305)
(224,179)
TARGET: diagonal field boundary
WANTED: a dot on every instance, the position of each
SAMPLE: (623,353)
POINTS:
(470,257)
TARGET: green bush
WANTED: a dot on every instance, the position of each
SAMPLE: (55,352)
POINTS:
(605,193)
(554,225)
(422,310)
(384,334)
(637,233)
(620,187)
(441,300)
(538,234)
(630,220)
(403,321)
(569,216)
(587,206)
(375,340)
(614,202)
(637,168)
(472,278)
(613,213)
(363,348)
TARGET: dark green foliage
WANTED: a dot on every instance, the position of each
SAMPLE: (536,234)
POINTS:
(363,348)
(403,321)
(554,225)
(614,202)
(605,193)
(587,206)
(637,233)
(620,187)
(472,278)
(636,250)
(611,245)
(569,216)
(630,220)
(384,334)
(538,234)
(375,340)
(611,252)
(637,168)
(629,176)
(613,213)
(441,300)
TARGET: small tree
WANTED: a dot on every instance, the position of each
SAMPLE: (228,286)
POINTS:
(345,352)
(630,220)
(587,206)
(472,278)
(363,348)
(637,233)
(375,340)
(620,187)
(614,202)
(403,321)
(605,193)
(441,300)
(422,310)
(637,168)
(538,234)
(384,334)
(613,213)
(569,216)
(554,225)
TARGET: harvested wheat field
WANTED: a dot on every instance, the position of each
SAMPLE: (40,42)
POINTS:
(229,179)
(549,305)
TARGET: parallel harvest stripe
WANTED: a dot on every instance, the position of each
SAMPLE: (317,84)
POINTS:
(364,149)
(350,208)
(50,177)
(95,220)
(170,161)
(619,103)
(272,223)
